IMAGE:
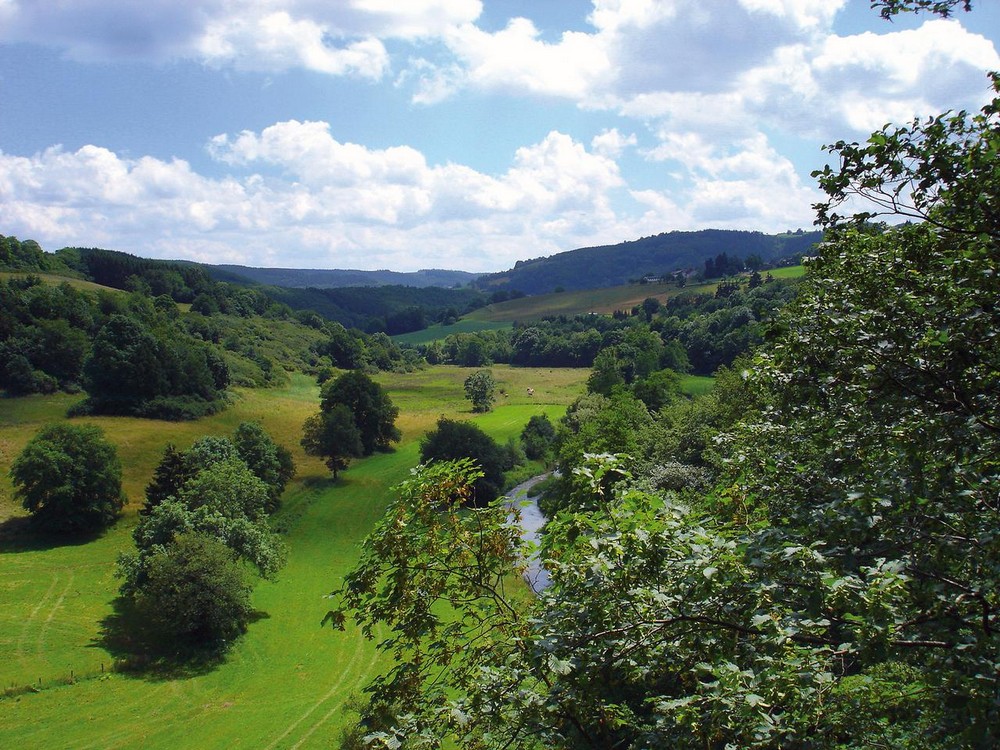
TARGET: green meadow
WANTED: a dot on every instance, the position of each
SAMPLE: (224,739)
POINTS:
(602,301)
(288,682)
(438,331)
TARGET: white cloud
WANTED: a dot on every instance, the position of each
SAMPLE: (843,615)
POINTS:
(855,84)
(323,203)
(612,143)
(278,42)
(746,183)
(516,59)
(329,37)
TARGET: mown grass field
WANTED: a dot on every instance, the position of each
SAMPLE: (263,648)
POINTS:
(788,272)
(286,683)
(51,278)
(438,331)
(604,301)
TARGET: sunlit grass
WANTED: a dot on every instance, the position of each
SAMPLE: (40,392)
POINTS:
(696,385)
(285,683)
(438,331)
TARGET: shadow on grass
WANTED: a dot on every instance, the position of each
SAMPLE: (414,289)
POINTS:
(143,652)
(21,534)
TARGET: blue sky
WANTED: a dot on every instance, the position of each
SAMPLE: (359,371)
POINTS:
(463,134)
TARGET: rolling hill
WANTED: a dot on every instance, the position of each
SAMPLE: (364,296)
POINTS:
(300,278)
(614,265)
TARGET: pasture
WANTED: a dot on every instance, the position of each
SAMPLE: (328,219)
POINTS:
(438,331)
(601,301)
(287,682)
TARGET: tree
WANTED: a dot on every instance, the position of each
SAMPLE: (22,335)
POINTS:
(373,412)
(480,389)
(70,479)
(538,438)
(650,306)
(431,579)
(658,389)
(333,435)
(452,440)
(606,374)
(228,488)
(168,478)
(124,365)
(270,462)
(195,591)
(224,501)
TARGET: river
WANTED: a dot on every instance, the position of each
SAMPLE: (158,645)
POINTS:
(532,522)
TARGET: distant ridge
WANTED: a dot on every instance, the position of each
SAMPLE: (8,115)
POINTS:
(613,265)
(301,278)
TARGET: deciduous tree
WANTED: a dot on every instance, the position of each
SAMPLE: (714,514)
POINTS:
(70,479)
(480,389)
(373,411)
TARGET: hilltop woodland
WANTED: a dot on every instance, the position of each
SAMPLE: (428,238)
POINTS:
(157,339)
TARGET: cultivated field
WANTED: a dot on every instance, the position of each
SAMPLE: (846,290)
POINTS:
(286,683)
(438,331)
(604,301)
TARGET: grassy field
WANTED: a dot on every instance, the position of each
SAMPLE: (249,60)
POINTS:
(283,685)
(50,278)
(591,301)
(579,303)
(788,272)
(438,331)
(696,385)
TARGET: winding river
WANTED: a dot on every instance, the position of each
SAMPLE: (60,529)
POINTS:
(532,522)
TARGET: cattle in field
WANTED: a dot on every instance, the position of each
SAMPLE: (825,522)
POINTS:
(531,391)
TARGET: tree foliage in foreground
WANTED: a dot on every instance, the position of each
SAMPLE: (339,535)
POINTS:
(69,478)
(838,587)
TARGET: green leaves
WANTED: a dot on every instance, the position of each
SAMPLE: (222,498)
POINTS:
(69,478)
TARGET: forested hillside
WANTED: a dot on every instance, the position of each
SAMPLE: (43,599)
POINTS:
(299,278)
(155,339)
(659,256)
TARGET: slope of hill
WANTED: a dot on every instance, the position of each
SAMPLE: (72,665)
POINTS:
(298,278)
(613,265)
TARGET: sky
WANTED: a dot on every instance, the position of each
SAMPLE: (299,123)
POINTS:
(457,134)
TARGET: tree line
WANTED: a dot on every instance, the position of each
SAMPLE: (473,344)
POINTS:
(689,332)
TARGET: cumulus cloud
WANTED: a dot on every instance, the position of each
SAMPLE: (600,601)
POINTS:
(329,37)
(612,143)
(516,59)
(729,185)
(324,203)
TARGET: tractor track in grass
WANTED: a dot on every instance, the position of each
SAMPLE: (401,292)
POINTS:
(30,619)
(340,704)
(359,648)
(40,641)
